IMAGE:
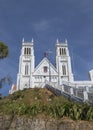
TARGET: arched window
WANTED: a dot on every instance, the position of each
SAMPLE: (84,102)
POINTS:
(64,69)
(26,69)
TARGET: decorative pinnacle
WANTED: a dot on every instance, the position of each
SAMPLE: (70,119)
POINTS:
(66,41)
(57,40)
(23,39)
(32,40)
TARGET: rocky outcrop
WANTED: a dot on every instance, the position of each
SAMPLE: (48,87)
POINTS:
(24,123)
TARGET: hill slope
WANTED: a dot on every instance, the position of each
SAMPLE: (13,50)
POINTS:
(40,102)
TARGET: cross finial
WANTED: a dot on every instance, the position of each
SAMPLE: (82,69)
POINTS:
(44,54)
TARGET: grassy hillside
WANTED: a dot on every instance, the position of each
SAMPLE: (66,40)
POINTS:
(40,102)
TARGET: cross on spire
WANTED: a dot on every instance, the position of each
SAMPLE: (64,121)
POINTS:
(44,54)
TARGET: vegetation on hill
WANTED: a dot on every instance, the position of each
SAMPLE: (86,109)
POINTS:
(40,102)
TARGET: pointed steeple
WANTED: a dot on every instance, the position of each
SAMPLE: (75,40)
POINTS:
(23,40)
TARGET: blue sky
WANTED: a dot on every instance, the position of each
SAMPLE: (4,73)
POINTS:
(45,21)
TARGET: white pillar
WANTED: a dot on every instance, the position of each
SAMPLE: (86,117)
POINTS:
(87,89)
(85,96)
(71,91)
(62,88)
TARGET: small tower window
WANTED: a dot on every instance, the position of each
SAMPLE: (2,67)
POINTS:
(45,69)
(64,51)
(60,51)
(24,50)
(26,69)
(64,69)
(29,50)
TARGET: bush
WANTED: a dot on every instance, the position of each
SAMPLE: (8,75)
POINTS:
(16,95)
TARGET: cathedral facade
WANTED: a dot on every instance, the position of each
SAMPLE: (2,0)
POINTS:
(30,76)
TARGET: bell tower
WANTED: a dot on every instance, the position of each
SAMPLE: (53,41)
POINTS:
(26,66)
(63,62)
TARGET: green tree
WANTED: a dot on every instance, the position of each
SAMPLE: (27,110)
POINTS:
(3,50)
(3,54)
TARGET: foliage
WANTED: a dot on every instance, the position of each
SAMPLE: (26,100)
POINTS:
(6,80)
(17,105)
(4,53)
(17,95)
(3,50)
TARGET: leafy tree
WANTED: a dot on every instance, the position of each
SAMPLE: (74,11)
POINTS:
(3,54)
(3,50)
(6,80)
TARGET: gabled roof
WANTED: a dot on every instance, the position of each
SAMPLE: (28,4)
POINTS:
(45,62)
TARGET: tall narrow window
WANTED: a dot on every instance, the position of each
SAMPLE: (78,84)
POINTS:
(60,51)
(64,51)
(26,69)
(24,50)
(29,51)
(64,69)
(45,69)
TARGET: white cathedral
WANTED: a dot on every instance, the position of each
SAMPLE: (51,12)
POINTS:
(30,76)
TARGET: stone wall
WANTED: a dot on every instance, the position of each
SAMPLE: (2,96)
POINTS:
(24,123)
